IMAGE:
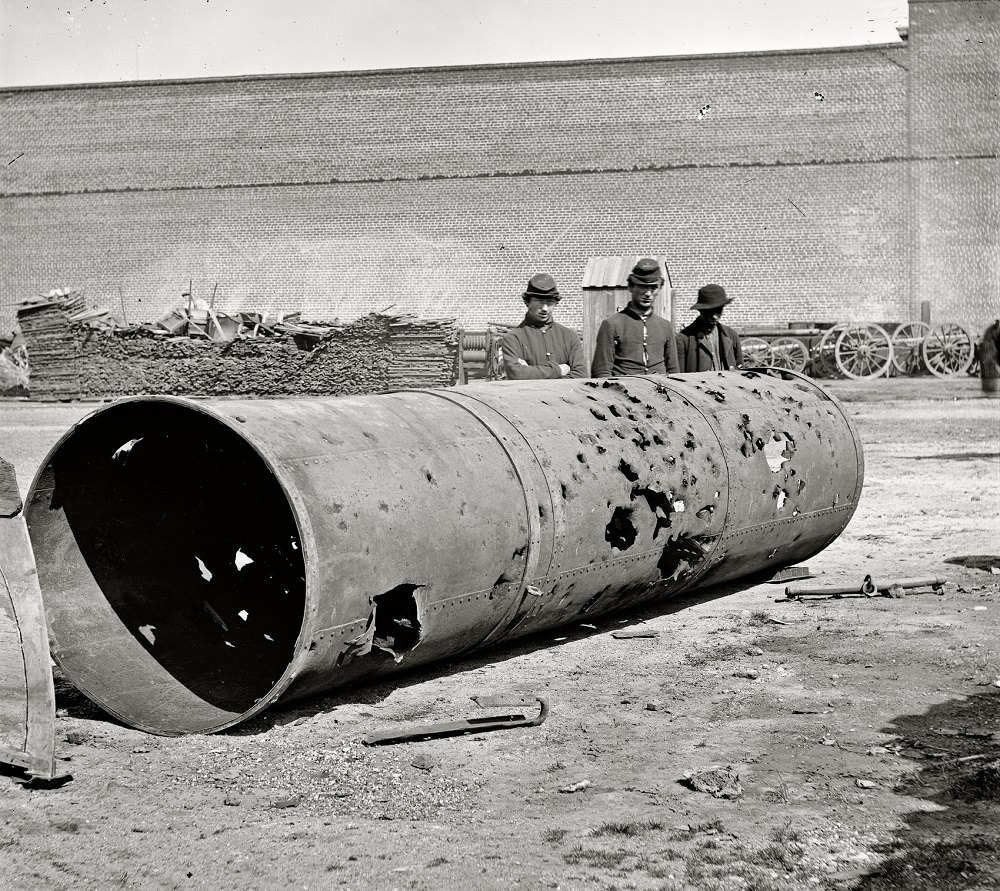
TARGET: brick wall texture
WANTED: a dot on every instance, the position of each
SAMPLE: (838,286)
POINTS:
(841,185)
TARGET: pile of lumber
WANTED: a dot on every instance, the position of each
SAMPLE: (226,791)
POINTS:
(44,323)
(77,352)
(424,352)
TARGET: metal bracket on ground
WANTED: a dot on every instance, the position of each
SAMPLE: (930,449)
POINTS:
(466,725)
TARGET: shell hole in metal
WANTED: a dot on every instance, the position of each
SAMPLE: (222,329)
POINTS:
(177,537)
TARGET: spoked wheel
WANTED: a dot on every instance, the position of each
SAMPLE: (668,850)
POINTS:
(756,353)
(790,353)
(947,349)
(907,340)
(823,362)
(863,351)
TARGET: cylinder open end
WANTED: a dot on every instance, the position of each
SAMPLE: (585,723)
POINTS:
(175,578)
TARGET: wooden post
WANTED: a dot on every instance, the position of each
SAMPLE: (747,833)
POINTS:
(925,311)
(671,296)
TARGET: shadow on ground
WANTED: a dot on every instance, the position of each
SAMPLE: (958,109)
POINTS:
(75,704)
(985,562)
(955,748)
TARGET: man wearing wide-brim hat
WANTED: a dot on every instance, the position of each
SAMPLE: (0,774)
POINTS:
(540,347)
(635,340)
(706,344)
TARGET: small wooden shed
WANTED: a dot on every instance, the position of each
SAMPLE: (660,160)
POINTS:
(605,291)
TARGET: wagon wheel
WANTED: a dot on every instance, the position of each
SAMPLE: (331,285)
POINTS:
(906,342)
(756,353)
(947,349)
(790,353)
(863,352)
(822,355)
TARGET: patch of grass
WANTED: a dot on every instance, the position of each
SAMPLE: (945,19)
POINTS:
(581,856)
(718,872)
(66,825)
(555,766)
(653,868)
(978,783)
(967,862)
(777,796)
(713,853)
(715,654)
(554,836)
(697,829)
(759,617)
(786,834)
(775,856)
(628,827)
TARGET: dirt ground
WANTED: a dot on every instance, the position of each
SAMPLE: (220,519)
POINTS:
(861,736)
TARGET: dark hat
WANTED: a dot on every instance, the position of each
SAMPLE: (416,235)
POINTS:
(646,272)
(542,285)
(712,297)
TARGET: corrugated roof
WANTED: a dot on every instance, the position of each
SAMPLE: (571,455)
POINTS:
(612,272)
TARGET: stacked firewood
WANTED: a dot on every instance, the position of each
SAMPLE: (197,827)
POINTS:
(78,353)
(424,352)
(44,323)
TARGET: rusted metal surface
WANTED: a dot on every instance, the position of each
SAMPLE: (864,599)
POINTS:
(27,700)
(200,561)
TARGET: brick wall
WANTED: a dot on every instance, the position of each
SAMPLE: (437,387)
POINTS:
(805,252)
(955,115)
(441,191)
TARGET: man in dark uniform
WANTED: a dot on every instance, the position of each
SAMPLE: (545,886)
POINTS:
(706,344)
(635,340)
(540,347)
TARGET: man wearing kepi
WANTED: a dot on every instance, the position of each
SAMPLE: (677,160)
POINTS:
(706,344)
(540,347)
(635,340)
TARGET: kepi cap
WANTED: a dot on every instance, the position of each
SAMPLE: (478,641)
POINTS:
(646,272)
(542,285)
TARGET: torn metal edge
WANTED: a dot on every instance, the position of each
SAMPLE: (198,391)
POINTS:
(19,588)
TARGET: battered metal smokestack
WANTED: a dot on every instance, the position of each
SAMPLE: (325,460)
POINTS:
(199,561)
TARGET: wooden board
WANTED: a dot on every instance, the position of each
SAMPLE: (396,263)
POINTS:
(27,698)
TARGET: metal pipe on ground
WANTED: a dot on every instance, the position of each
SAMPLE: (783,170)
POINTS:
(200,561)
(867,587)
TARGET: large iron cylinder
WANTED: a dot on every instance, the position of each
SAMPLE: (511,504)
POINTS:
(200,560)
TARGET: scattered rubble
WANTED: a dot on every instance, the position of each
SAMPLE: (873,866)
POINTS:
(717,781)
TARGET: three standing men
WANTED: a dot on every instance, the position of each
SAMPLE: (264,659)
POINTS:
(636,340)
(540,347)
(632,341)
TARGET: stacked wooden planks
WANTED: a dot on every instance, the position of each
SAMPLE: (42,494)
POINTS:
(424,352)
(81,353)
(45,324)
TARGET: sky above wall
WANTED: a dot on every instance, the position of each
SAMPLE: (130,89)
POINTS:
(114,40)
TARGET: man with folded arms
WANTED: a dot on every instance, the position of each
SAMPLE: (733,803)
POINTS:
(540,347)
